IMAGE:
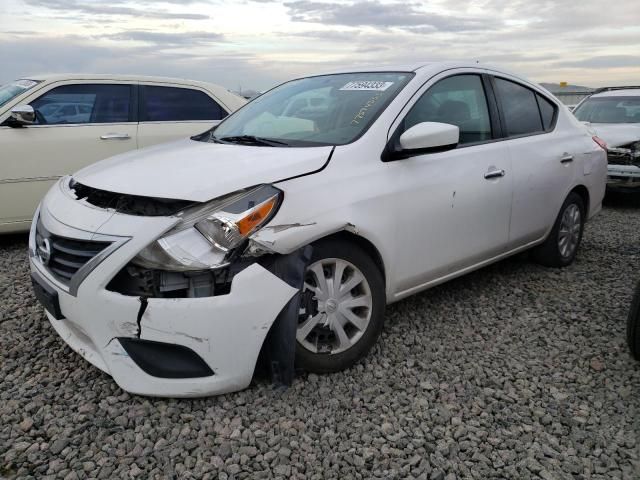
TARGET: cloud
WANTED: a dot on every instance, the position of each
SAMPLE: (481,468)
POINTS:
(332,35)
(374,13)
(167,39)
(71,53)
(604,61)
(115,8)
(257,44)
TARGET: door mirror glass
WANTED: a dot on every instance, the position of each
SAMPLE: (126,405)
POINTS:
(23,115)
(430,135)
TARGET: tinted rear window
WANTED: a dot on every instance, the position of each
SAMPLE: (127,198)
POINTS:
(166,104)
(519,108)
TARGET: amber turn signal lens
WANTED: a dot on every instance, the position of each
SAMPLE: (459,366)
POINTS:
(256,216)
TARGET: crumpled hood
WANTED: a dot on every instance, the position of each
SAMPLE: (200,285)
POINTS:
(199,171)
(617,134)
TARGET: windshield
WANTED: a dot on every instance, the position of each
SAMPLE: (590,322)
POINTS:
(11,90)
(323,110)
(609,110)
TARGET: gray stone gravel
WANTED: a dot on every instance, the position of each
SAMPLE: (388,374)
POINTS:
(516,371)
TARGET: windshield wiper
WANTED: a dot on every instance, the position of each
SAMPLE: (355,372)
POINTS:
(251,140)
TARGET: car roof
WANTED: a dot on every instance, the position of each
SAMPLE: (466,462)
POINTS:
(101,76)
(431,68)
(410,67)
(626,92)
(232,100)
(406,67)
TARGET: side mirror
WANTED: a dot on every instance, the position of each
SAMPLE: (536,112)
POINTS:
(22,115)
(430,135)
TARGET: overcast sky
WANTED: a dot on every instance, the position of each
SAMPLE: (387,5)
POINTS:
(256,44)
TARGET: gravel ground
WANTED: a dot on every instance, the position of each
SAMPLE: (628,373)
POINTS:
(515,371)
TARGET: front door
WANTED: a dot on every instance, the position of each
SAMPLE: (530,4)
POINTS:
(455,207)
(77,125)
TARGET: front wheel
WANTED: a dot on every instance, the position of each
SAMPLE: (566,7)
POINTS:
(561,246)
(342,309)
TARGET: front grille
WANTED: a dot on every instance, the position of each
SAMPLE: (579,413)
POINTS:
(62,256)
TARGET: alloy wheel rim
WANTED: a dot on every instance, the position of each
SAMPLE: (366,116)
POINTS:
(340,308)
(569,232)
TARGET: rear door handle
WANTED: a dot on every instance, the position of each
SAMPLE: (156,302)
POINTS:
(115,136)
(566,158)
(494,174)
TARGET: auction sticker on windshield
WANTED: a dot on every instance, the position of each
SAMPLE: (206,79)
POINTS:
(367,85)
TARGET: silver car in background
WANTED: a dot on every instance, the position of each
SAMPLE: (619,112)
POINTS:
(613,113)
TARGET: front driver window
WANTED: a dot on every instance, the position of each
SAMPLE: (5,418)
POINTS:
(457,100)
(78,104)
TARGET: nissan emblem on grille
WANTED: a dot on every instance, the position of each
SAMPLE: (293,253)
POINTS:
(44,250)
(63,256)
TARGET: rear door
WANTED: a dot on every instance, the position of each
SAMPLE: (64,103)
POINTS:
(542,159)
(171,112)
(77,124)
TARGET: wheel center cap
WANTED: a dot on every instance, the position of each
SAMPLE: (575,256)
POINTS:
(331,306)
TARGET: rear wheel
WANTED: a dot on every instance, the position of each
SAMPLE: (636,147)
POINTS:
(342,309)
(561,246)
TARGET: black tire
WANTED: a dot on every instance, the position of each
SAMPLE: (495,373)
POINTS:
(333,362)
(633,325)
(548,253)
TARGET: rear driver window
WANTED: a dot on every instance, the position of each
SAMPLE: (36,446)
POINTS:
(167,104)
(519,108)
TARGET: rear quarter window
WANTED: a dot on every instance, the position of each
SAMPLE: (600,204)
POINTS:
(547,111)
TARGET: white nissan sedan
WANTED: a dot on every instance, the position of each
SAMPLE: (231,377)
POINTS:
(285,230)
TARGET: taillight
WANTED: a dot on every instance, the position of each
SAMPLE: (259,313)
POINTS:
(601,143)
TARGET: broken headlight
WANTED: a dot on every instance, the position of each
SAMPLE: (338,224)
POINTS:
(208,233)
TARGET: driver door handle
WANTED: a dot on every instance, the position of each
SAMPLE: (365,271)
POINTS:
(494,174)
(115,136)
(566,158)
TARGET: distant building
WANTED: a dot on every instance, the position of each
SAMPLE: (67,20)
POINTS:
(570,95)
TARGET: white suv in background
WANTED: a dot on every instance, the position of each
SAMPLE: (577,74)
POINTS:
(614,115)
(54,125)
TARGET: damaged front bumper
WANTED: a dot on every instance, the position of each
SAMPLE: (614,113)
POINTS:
(623,177)
(177,347)
(623,169)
